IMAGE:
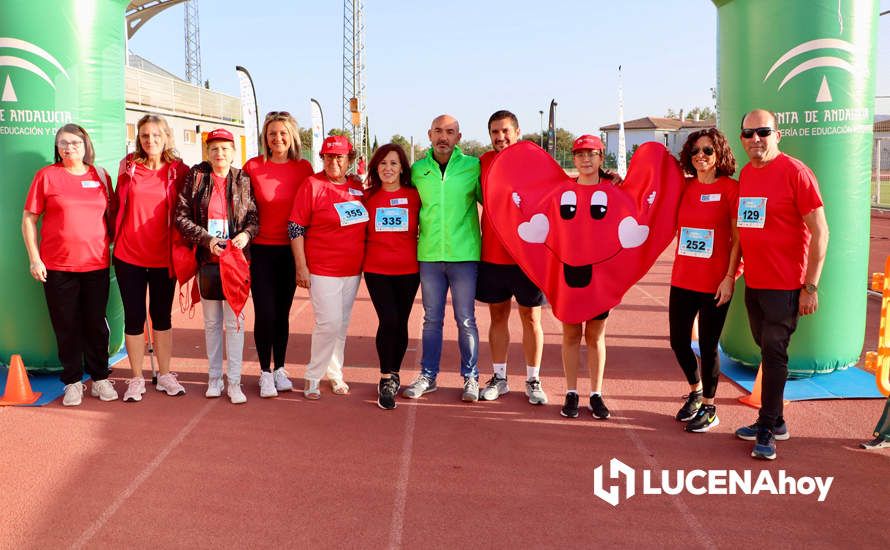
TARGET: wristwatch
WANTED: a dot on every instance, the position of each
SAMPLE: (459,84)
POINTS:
(810,288)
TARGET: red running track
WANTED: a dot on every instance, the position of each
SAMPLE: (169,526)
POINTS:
(339,472)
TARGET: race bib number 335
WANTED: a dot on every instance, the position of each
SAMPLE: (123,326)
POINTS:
(391,219)
(351,213)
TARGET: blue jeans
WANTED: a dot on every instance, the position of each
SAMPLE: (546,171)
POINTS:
(435,280)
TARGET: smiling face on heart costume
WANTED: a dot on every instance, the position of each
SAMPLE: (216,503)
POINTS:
(583,245)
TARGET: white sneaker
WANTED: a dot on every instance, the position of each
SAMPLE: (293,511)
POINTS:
(267,385)
(104,390)
(135,389)
(236,396)
(169,383)
(73,394)
(282,382)
(214,387)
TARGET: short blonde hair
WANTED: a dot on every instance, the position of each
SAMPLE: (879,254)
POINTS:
(295,150)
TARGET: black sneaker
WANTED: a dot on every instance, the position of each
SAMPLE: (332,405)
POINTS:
(693,403)
(597,408)
(704,420)
(765,446)
(570,407)
(386,392)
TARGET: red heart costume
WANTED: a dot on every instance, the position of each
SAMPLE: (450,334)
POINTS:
(583,245)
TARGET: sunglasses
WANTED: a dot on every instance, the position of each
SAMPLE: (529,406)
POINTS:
(273,114)
(763,132)
(708,151)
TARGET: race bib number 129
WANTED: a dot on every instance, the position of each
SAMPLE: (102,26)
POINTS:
(752,212)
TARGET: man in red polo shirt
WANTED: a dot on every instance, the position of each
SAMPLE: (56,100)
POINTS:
(784,237)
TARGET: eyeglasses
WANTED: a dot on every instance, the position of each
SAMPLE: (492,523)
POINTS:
(273,114)
(763,132)
(588,154)
(708,151)
(65,144)
(332,156)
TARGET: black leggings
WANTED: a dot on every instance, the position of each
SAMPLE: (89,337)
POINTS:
(76,303)
(684,305)
(132,280)
(392,296)
(273,282)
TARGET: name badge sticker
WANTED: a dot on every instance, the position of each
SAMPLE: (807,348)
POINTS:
(712,197)
(695,242)
(355,192)
(351,212)
(752,212)
(391,219)
(89,184)
(398,202)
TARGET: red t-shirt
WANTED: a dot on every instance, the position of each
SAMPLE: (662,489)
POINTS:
(335,219)
(274,186)
(493,250)
(73,236)
(704,234)
(391,248)
(775,240)
(144,238)
(217,212)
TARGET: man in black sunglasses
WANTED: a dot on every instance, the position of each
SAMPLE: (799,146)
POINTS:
(784,237)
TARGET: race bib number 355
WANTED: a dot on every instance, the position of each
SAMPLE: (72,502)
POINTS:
(391,219)
(698,243)
(351,212)
(752,212)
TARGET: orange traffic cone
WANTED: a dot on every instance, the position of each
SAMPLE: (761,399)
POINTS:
(18,387)
(753,399)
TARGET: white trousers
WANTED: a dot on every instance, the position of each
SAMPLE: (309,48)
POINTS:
(332,299)
(214,313)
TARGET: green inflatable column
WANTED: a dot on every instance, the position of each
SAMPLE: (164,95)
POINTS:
(812,62)
(60,61)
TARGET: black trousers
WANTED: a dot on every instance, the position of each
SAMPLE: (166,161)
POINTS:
(773,316)
(684,305)
(273,282)
(132,281)
(76,303)
(393,297)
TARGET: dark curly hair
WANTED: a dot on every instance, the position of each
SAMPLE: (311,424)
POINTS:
(374,181)
(725,158)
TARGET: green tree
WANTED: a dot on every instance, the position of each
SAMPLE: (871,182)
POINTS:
(306,141)
(339,132)
(401,140)
(703,113)
(473,148)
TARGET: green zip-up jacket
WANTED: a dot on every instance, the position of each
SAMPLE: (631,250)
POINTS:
(449,217)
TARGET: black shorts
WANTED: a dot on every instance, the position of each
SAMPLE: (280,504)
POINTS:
(498,283)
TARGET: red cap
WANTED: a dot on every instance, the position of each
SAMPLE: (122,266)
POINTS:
(336,145)
(588,141)
(220,134)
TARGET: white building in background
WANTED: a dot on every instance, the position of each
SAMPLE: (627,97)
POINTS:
(191,111)
(670,132)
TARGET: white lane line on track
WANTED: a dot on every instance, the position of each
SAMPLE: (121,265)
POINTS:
(397,526)
(140,479)
(695,526)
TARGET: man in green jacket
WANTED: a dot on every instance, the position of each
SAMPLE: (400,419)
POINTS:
(448,250)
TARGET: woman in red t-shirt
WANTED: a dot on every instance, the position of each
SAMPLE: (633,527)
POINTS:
(705,266)
(77,205)
(148,184)
(391,268)
(274,176)
(327,232)
(587,155)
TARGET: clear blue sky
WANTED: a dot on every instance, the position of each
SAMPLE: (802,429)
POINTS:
(467,58)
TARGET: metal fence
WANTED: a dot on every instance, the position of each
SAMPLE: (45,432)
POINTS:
(880,173)
(156,91)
